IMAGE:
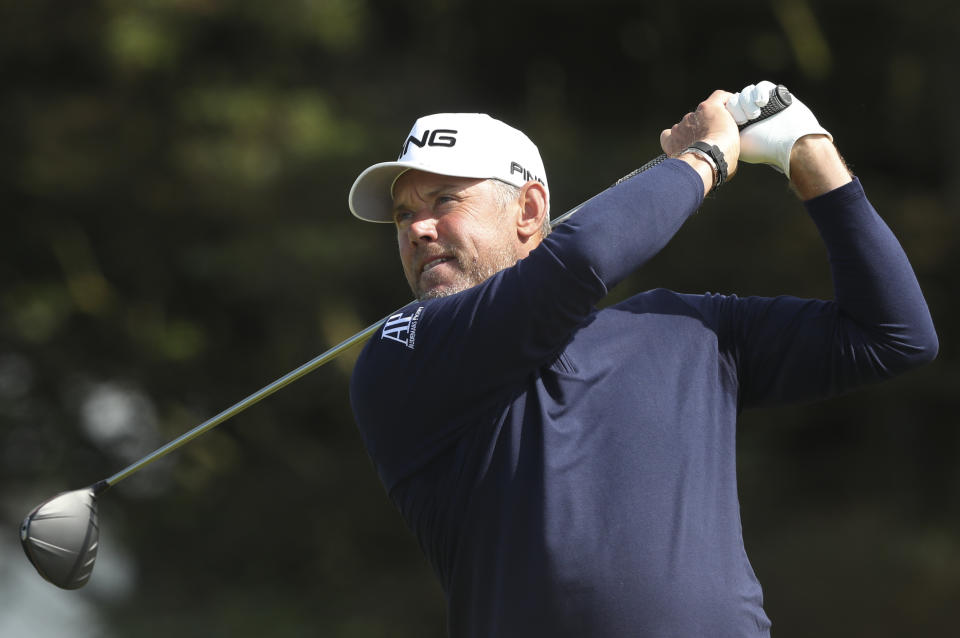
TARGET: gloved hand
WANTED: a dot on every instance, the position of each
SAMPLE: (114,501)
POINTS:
(771,140)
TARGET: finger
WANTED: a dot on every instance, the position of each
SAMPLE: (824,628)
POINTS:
(751,110)
(749,102)
(746,93)
(735,108)
(665,139)
(764,90)
(755,99)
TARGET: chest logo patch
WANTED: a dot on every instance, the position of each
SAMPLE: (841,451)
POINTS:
(402,328)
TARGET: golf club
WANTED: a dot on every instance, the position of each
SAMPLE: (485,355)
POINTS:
(61,535)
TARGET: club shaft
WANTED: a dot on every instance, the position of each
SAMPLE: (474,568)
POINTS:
(779,100)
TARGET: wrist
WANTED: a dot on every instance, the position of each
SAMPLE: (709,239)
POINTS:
(816,166)
(713,157)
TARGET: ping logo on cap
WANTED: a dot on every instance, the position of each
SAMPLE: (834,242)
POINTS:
(436,137)
(527,175)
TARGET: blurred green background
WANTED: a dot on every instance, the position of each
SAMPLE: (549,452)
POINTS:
(173,180)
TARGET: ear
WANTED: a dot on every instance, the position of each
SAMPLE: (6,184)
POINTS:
(533,211)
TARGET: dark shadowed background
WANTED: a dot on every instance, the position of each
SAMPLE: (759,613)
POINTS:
(173,180)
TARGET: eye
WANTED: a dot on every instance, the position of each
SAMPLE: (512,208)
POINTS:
(402,216)
(443,203)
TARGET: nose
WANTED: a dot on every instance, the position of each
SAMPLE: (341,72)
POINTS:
(423,229)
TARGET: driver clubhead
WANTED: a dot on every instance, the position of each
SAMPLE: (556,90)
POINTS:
(60,537)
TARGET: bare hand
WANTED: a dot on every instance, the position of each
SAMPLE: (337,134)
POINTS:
(710,123)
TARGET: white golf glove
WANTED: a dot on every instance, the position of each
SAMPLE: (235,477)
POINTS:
(770,140)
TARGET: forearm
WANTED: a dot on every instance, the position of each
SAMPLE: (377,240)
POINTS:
(617,232)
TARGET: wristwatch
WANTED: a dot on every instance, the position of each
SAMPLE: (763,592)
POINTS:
(714,156)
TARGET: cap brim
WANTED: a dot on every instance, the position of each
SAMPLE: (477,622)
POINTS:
(370,198)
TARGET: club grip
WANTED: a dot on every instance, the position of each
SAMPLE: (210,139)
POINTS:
(780,99)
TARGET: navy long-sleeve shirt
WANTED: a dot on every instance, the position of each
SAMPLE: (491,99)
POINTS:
(571,472)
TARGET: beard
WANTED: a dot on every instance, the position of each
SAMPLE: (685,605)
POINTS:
(469,272)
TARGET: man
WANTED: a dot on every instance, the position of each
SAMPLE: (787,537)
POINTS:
(571,472)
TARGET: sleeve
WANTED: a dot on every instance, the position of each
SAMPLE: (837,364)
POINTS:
(436,366)
(787,349)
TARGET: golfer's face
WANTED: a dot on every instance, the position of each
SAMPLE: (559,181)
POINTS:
(451,231)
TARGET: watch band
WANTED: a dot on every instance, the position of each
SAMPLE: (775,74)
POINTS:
(713,155)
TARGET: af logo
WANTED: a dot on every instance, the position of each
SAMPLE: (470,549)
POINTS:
(402,328)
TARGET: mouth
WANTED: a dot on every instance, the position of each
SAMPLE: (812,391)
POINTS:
(432,263)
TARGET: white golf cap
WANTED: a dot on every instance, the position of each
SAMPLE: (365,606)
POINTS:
(454,144)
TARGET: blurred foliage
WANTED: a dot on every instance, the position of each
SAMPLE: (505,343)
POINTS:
(173,179)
